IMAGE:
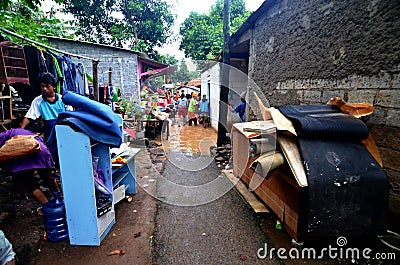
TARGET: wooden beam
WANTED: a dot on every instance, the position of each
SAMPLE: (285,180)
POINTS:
(45,46)
(95,81)
(244,37)
(247,195)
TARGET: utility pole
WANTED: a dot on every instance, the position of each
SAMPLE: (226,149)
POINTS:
(224,87)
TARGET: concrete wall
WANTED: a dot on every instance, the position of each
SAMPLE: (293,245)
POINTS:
(306,52)
(212,77)
(123,64)
(237,85)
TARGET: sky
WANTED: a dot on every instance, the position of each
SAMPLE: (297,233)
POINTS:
(182,9)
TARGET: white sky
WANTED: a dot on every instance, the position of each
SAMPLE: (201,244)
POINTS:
(182,9)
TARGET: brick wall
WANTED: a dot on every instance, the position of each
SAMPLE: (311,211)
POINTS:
(123,64)
(306,52)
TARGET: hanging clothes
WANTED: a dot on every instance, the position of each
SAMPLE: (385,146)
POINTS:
(81,79)
(34,63)
(42,62)
(50,63)
(69,73)
(54,68)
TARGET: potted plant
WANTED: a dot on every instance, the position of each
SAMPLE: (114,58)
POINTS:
(128,107)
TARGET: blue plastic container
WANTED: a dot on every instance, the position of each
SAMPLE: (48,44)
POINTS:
(54,219)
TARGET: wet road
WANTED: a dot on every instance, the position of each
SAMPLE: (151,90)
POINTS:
(200,218)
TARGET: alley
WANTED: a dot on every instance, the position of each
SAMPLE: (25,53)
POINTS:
(200,218)
(184,212)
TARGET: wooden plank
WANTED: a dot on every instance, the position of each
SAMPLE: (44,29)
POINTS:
(247,195)
(293,157)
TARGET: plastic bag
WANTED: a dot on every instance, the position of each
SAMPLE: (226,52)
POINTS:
(18,147)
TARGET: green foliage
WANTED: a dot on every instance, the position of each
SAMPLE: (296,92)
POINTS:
(141,24)
(166,59)
(182,74)
(202,37)
(32,4)
(31,23)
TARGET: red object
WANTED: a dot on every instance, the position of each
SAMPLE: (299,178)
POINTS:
(169,99)
(162,102)
(12,63)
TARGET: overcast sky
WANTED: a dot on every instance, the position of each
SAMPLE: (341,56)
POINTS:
(182,9)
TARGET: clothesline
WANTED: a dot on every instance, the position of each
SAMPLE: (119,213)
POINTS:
(47,47)
(95,62)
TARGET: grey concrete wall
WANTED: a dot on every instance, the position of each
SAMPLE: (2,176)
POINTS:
(123,64)
(306,52)
(212,76)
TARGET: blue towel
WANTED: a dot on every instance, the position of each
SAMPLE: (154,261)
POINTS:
(96,120)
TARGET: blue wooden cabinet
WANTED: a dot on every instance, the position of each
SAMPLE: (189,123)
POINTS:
(124,176)
(75,154)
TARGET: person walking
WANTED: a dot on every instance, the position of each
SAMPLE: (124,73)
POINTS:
(182,110)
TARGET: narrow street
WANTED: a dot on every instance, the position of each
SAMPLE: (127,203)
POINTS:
(185,211)
(98,165)
(196,224)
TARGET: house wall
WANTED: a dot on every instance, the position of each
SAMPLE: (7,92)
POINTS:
(306,52)
(211,76)
(237,83)
(123,64)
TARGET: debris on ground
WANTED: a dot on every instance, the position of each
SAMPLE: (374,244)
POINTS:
(119,252)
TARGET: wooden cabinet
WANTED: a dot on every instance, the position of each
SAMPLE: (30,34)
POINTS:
(88,223)
(75,154)
(279,190)
(124,176)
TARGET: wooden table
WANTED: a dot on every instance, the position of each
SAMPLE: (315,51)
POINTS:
(151,127)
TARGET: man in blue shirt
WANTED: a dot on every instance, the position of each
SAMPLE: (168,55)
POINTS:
(204,111)
(240,109)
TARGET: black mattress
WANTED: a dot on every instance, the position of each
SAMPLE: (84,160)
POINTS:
(324,121)
(348,190)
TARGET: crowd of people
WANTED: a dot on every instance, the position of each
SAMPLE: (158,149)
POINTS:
(191,109)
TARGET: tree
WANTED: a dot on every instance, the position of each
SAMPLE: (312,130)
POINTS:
(202,36)
(33,4)
(166,59)
(31,22)
(182,74)
(139,24)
